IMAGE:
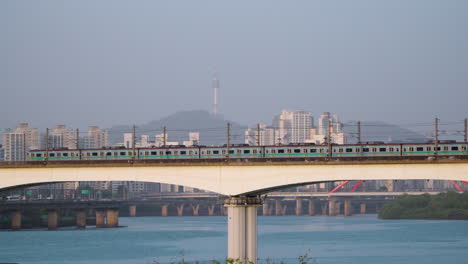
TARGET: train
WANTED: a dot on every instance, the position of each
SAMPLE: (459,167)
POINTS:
(243,151)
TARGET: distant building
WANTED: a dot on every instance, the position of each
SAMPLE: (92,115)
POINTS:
(263,134)
(293,126)
(2,153)
(17,143)
(194,139)
(319,135)
(96,138)
(68,138)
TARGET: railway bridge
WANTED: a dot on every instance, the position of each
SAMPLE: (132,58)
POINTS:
(242,182)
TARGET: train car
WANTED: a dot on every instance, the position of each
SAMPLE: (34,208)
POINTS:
(168,153)
(428,149)
(296,151)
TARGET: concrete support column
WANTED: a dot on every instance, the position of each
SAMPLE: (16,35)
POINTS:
(52,219)
(331,207)
(81,218)
(311,207)
(278,207)
(324,206)
(242,228)
(132,210)
(362,208)
(180,210)
(348,209)
(265,209)
(100,218)
(338,208)
(195,209)
(16,220)
(283,210)
(164,210)
(211,209)
(298,206)
(112,217)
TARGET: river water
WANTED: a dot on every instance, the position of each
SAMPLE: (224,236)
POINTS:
(361,239)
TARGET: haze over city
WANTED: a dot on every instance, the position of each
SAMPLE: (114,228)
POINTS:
(114,62)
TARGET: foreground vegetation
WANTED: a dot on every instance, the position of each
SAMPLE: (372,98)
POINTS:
(449,205)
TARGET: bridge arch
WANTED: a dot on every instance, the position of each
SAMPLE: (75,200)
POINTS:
(236,178)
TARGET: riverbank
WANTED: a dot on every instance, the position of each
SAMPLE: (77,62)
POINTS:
(444,206)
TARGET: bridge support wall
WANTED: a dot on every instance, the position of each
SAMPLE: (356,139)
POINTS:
(242,228)
(52,219)
(164,210)
(332,207)
(81,218)
(278,207)
(16,220)
(348,209)
(112,217)
(362,208)
(132,210)
(311,207)
(100,218)
(298,206)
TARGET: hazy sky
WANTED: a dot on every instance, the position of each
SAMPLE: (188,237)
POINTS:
(122,62)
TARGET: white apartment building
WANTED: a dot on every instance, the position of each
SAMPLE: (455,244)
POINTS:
(67,138)
(194,139)
(18,142)
(293,126)
(263,134)
(96,138)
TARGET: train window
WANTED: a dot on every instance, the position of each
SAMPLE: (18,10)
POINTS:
(73,154)
(267,151)
(168,153)
(321,150)
(297,151)
(454,148)
(176,152)
(122,153)
(215,151)
(254,151)
(382,149)
(273,151)
(391,149)
(161,152)
(183,152)
(280,151)
(419,149)
(109,154)
(94,154)
(428,148)
(239,151)
(231,151)
(358,150)
(65,154)
(445,148)
(59,154)
(397,149)
(246,151)
(38,155)
(223,152)
(304,150)
(374,149)
(289,151)
(463,148)
(365,149)
(52,155)
(208,152)
(411,149)
(313,150)
(349,150)
(190,152)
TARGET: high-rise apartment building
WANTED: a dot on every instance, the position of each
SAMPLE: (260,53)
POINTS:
(293,126)
(261,134)
(18,142)
(63,137)
(2,153)
(96,138)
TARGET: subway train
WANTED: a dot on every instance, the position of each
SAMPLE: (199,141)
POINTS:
(293,151)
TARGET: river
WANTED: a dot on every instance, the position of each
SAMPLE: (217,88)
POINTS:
(360,239)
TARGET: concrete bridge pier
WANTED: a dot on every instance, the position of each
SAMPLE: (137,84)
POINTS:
(278,208)
(311,207)
(362,208)
(112,217)
(242,228)
(180,210)
(195,209)
(100,218)
(132,210)
(16,220)
(324,207)
(298,206)
(81,218)
(211,209)
(284,209)
(348,209)
(337,208)
(265,209)
(52,219)
(332,207)
(164,210)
